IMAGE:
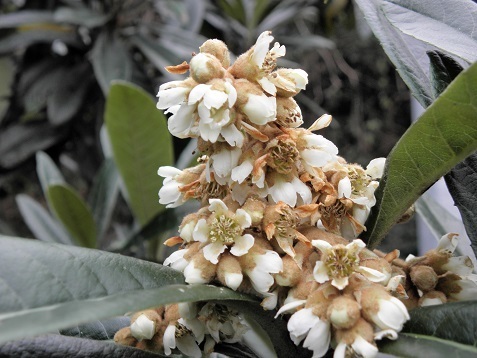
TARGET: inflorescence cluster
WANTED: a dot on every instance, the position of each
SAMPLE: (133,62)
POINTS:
(280,217)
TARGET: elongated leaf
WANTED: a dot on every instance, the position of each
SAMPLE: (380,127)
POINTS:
(443,136)
(23,39)
(103,195)
(415,345)
(99,330)
(19,18)
(449,25)
(47,171)
(461,182)
(73,212)
(81,17)
(40,222)
(405,52)
(141,143)
(39,277)
(52,345)
(111,60)
(451,321)
(19,142)
(444,69)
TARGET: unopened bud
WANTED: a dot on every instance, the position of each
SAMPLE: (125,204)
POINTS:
(344,312)
(143,327)
(255,208)
(218,49)
(125,338)
(432,298)
(205,67)
(288,113)
(289,82)
(229,272)
(291,274)
(424,277)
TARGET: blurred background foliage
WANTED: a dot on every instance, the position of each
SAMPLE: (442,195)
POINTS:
(59,164)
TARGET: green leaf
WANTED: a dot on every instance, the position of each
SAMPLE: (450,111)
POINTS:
(461,183)
(26,17)
(99,330)
(103,195)
(40,222)
(47,171)
(455,321)
(73,212)
(81,17)
(111,60)
(443,136)
(52,345)
(24,39)
(444,69)
(405,52)
(415,345)
(449,25)
(45,287)
(141,143)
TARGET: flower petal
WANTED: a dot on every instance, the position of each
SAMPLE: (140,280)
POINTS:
(300,324)
(218,206)
(169,339)
(340,282)
(232,135)
(320,273)
(193,274)
(233,280)
(318,338)
(322,245)
(201,231)
(212,251)
(241,172)
(243,218)
(188,346)
(363,348)
(242,245)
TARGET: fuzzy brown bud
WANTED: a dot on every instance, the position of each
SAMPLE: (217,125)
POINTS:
(205,67)
(424,277)
(344,312)
(218,49)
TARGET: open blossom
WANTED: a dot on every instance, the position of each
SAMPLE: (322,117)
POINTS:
(181,335)
(223,229)
(339,262)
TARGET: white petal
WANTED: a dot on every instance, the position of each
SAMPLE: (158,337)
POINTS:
(170,195)
(448,242)
(241,172)
(243,218)
(319,272)
(322,122)
(168,171)
(218,206)
(340,282)
(303,190)
(375,168)
(225,160)
(318,339)
(373,275)
(201,231)
(169,339)
(232,92)
(430,302)
(212,251)
(198,93)
(214,99)
(261,48)
(232,135)
(300,323)
(242,245)
(283,191)
(188,346)
(143,328)
(193,274)
(391,315)
(363,348)
(386,333)
(340,350)
(344,188)
(180,124)
(260,109)
(289,307)
(176,260)
(187,310)
(233,280)
(322,245)
(267,86)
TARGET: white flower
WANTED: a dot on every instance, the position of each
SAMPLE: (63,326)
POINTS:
(390,312)
(172,93)
(260,109)
(180,336)
(143,328)
(288,191)
(358,186)
(223,229)
(222,323)
(339,262)
(215,109)
(304,325)
(260,275)
(183,122)
(316,150)
(288,81)
(169,193)
(176,260)
(222,163)
(375,168)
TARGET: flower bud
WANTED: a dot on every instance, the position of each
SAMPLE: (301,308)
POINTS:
(343,312)
(143,326)
(255,208)
(432,298)
(424,277)
(257,106)
(288,113)
(359,339)
(289,82)
(218,49)
(291,274)
(125,338)
(229,272)
(205,67)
